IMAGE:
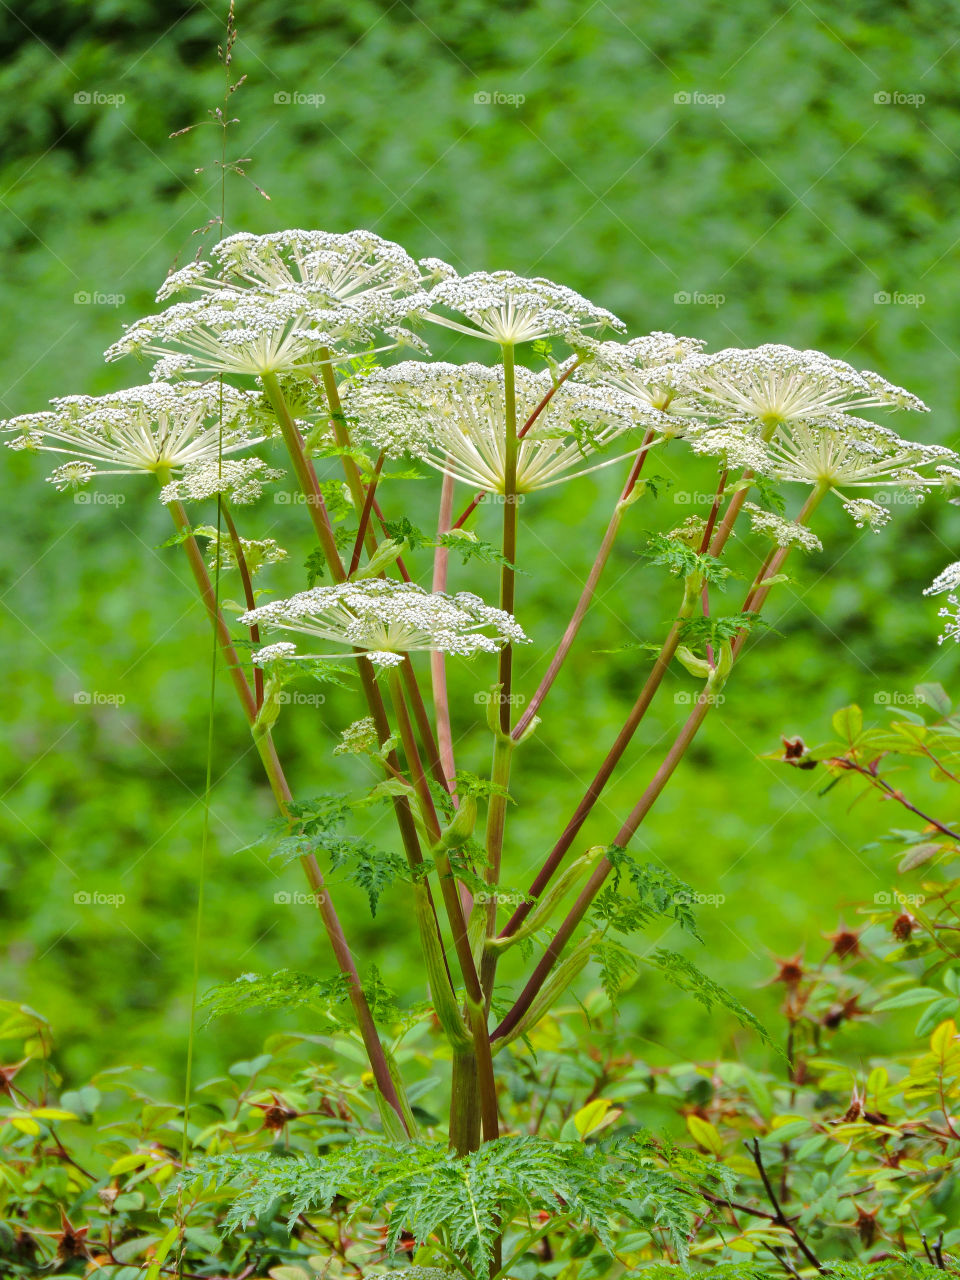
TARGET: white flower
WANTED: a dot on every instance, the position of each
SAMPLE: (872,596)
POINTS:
(454,418)
(71,475)
(154,428)
(633,367)
(280,651)
(844,452)
(257,552)
(738,447)
(836,452)
(357,739)
(246,332)
(951,630)
(785,533)
(772,384)
(947,580)
(507,308)
(866,512)
(331,267)
(387,619)
(240,479)
(282,303)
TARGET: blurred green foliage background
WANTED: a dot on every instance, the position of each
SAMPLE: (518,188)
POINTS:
(809,190)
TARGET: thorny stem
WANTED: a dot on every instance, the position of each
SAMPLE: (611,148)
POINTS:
(756,597)
(583,604)
(283,796)
(780,1217)
(866,771)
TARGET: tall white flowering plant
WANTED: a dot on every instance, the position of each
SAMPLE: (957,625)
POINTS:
(315,345)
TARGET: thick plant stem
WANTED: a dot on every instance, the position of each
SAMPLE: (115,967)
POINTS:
(438,662)
(590,586)
(309,486)
(335,934)
(476,1014)
(424,727)
(508,578)
(479,497)
(503,749)
(365,514)
(281,791)
(365,502)
(306,477)
(756,597)
(464,1112)
(594,884)
(503,743)
(342,436)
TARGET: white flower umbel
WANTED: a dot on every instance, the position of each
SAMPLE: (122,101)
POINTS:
(506,308)
(332,267)
(386,619)
(784,533)
(844,453)
(773,384)
(837,453)
(239,479)
(738,446)
(248,332)
(454,418)
(257,552)
(947,580)
(156,429)
(633,367)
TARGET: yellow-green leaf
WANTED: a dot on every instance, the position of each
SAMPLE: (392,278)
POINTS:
(705,1134)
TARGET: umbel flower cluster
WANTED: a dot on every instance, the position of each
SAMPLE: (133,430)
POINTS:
(385,620)
(454,418)
(157,429)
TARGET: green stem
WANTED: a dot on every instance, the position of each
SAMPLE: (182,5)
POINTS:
(342,436)
(476,1013)
(503,749)
(309,486)
(365,502)
(464,1129)
(503,743)
(510,521)
(438,660)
